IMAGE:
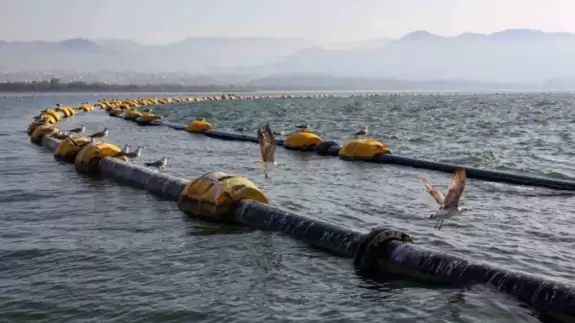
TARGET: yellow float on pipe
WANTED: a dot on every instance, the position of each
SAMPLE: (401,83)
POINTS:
(72,111)
(41,131)
(132,115)
(69,148)
(363,149)
(304,141)
(147,118)
(115,113)
(54,114)
(214,195)
(48,117)
(89,156)
(64,111)
(86,108)
(199,126)
(35,125)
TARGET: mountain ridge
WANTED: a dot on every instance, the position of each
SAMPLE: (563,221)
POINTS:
(510,55)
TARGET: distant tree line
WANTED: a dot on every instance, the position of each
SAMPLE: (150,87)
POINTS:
(55,85)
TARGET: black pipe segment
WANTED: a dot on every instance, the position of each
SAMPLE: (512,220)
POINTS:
(380,251)
(226,135)
(406,260)
(489,175)
(331,148)
(322,235)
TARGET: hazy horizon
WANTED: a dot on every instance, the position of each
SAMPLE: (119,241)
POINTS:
(159,23)
(255,40)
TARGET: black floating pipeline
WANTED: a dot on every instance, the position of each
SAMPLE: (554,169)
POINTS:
(373,151)
(488,175)
(223,197)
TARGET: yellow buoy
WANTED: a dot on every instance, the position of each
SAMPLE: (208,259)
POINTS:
(41,131)
(132,115)
(199,126)
(215,195)
(302,141)
(71,111)
(147,118)
(64,111)
(89,156)
(48,117)
(86,108)
(115,113)
(54,114)
(69,148)
(35,125)
(363,149)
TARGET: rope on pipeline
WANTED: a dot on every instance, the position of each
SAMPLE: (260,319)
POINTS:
(224,197)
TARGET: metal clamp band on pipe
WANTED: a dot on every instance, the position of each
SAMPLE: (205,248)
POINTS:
(403,259)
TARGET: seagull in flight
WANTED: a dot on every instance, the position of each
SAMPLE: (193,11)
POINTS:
(267,149)
(448,205)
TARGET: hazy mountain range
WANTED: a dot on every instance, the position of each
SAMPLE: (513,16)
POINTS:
(509,56)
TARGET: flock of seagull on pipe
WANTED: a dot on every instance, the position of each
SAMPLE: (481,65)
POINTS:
(448,204)
(126,151)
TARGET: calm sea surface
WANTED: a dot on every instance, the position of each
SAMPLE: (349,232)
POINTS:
(76,249)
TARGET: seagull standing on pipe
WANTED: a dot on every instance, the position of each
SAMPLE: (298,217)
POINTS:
(448,205)
(160,164)
(102,134)
(241,130)
(302,127)
(78,130)
(362,133)
(135,153)
(267,148)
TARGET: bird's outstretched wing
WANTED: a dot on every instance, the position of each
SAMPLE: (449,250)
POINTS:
(456,187)
(262,142)
(270,151)
(434,192)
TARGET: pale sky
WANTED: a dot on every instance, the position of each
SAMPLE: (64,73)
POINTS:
(164,21)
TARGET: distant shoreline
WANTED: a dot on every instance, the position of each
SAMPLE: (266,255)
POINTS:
(72,87)
(55,86)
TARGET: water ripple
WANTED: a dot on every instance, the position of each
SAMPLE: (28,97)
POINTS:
(79,249)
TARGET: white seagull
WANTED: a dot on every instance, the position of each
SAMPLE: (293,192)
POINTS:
(448,205)
(78,130)
(267,149)
(102,134)
(160,164)
(363,132)
(126,149)
(302,127)
(241,130)
(135,153)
